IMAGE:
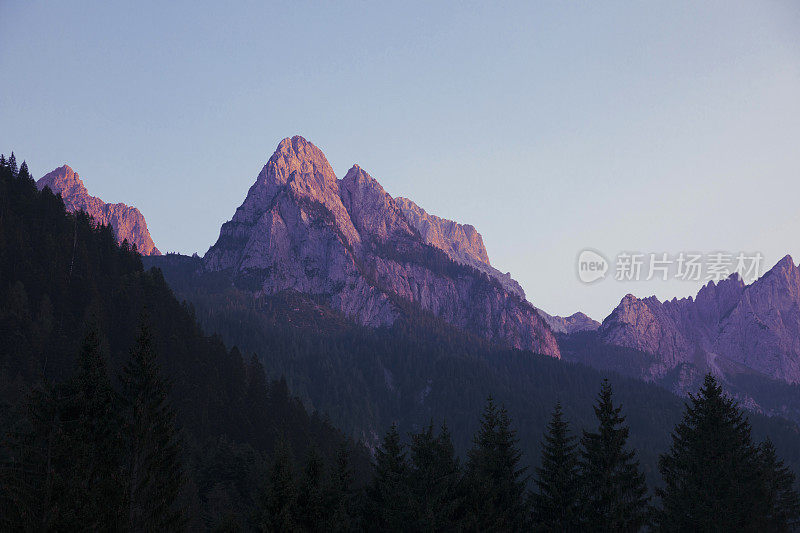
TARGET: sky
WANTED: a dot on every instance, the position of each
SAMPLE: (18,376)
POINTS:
(552,127)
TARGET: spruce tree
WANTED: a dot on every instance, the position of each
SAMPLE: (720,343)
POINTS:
(12,164)
(433,478)
(712,475)
(613,490)
(388,496)
(782,503)
(97,443)
(155,474)
(311,509)
(339,493)
(556,502)
(279,502)
(23,171)
(494,480)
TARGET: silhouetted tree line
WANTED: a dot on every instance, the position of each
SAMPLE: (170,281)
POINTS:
(714,479)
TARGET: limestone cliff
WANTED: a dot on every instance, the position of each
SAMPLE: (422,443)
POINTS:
(128,223)
(349,242)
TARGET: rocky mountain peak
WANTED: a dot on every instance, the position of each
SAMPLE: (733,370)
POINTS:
(64,180)
(127,222)
(373,211)
(349,241)
(297,155)
(785,268)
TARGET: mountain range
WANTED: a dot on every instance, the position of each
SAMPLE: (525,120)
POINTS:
(360,251)
(728,328)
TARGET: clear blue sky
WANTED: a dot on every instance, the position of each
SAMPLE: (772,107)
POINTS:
(550,126)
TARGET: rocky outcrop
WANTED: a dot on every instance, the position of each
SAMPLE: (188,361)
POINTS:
(127,222)
(729,325)
(570,324)
(461,242)
(349,242)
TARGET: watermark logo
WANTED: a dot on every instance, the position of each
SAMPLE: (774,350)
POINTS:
(591,266)
(684,266)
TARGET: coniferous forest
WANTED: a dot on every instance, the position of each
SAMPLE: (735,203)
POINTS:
(119,413)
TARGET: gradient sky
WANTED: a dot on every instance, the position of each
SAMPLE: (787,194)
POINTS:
(550,126)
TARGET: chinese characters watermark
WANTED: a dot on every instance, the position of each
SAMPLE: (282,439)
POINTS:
(663,266)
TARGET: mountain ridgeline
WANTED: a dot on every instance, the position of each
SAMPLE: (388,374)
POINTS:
(729,327)
(348,242)
(745,335)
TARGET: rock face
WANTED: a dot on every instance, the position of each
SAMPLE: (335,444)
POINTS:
(462,243)
(127,222)
(570,324)
(729,325)
(349,242)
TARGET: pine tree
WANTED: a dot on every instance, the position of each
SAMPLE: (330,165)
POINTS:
(32,482)
(433,479)
(339,493)
(23,171)
(556,504)
(97,447)
(12,164)
(310,498)
(155,474)
(613,490)
(494,480)
(389,499)
(782,503)
(712,473)
(279,502)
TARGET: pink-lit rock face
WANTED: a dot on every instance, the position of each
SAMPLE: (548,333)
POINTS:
(349,241)
(462,243)
(755,326)
(127,222)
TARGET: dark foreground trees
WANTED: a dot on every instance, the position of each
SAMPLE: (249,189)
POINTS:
(556,502)
(153,451)
(613,489)
(88,457)
(715,477)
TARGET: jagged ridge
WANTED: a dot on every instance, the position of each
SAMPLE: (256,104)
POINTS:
(301,228)
(128,222)
(729,324)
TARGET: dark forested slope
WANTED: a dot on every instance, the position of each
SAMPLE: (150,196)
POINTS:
(421,369)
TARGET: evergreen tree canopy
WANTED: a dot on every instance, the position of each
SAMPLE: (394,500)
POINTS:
(433,478)
(340,494)
(310,496)
(613,490)
(155,472)
(556,502)
(782,503)
(715,479)
(495,483)
(389,498)
(279,502)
